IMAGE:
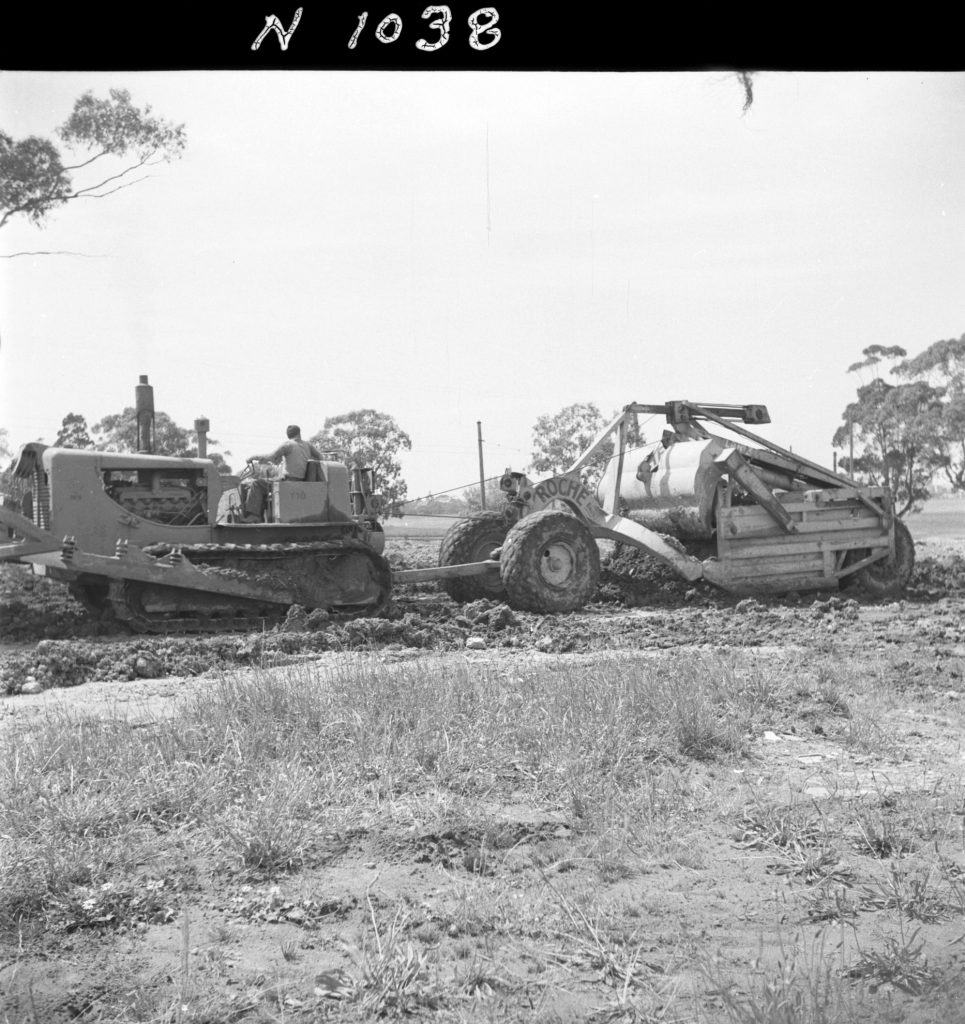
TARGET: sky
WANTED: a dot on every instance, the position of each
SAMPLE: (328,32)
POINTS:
(460,247)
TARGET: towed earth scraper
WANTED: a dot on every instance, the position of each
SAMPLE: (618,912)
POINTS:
(749,518)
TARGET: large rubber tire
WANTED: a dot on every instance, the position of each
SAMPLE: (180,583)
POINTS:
(473,540)
(890,576)
(550,563)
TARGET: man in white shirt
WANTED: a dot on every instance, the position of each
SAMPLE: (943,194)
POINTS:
(296,454)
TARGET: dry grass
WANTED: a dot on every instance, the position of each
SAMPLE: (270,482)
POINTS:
(548,836)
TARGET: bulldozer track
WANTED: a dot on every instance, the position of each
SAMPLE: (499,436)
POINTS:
(263,566)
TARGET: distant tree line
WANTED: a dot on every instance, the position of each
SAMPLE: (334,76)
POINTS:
(909,435)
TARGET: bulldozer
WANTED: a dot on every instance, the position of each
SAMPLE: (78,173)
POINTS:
(750,518)
(158,541)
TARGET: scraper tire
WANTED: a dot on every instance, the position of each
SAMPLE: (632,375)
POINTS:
(890,576)
(550,563)
(473,540)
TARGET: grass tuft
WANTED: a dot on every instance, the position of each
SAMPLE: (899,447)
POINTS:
(393,977)
(901,963)
(801,987)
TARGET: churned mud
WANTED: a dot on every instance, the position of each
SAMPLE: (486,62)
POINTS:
(49,640)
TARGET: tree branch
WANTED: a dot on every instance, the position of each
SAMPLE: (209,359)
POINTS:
(114,177)
(55,252)
(88,192)
(77,167)
(101,195)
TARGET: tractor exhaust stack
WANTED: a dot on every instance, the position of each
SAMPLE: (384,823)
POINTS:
(144,412)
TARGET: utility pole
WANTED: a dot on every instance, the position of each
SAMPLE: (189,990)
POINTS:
(482,474)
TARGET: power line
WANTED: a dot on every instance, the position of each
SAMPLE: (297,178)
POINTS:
(435,494)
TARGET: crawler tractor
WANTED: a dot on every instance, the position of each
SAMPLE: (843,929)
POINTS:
(157,540)
(749,518)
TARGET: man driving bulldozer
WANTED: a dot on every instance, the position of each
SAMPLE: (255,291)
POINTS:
(296,454)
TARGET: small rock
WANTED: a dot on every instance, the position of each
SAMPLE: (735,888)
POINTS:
(296,620)
(502,616)
(318,619)
(31,686)
(475,643)
(296,915)
(147,667)
(330,983)
(477,610)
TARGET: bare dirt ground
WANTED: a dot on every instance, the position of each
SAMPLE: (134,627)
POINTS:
(538,920)
(48,640)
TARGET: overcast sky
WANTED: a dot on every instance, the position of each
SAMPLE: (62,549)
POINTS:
(454,247)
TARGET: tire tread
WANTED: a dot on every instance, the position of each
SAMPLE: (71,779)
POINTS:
(461,544)
(520,556)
